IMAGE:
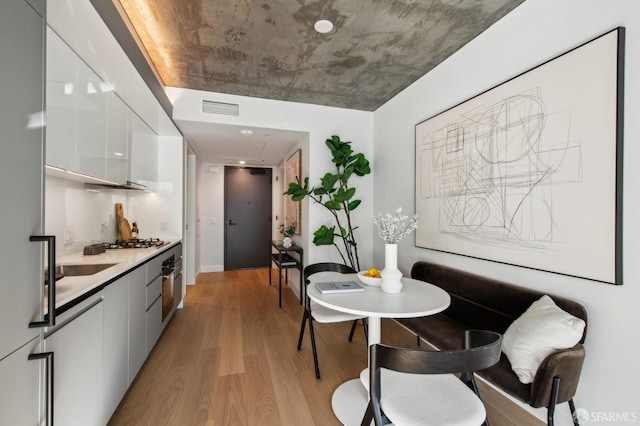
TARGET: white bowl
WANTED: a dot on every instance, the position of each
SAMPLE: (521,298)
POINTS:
(370,281)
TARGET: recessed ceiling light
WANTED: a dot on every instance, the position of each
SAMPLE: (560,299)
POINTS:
(323,26)
(241,162)
(246,132)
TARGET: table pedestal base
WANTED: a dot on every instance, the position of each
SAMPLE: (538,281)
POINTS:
(349,402)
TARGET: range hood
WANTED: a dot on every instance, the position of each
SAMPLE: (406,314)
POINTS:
(92,182)
(128,185)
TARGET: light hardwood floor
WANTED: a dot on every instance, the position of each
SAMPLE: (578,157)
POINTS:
(230,358)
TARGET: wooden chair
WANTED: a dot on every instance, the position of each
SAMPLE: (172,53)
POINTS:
(418,387)
(322,314)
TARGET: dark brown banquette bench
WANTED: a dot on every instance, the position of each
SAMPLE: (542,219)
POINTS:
(482,303)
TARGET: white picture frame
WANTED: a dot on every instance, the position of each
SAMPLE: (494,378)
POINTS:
(529,172)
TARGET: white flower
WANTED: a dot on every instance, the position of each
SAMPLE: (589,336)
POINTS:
(393,228)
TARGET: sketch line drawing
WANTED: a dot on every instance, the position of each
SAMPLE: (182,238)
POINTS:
(529,172)
(494,173)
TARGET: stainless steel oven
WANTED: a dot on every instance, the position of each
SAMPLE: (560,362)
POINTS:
(168,282)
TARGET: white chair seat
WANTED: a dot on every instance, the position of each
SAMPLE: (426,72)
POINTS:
(323,314)
(314,312)
(427,399)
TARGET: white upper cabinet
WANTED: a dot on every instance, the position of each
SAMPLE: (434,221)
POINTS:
(91,124)
(117,139)
(61,103)
(76,112)
(144,153)
(87,122)
(102,119)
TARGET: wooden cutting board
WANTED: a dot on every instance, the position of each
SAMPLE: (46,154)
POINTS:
(124,229)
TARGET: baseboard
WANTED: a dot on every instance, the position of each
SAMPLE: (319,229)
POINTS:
(212,268)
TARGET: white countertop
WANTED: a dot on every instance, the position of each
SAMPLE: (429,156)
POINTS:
(70,288)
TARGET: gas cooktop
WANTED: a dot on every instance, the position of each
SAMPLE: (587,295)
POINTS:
(135,243)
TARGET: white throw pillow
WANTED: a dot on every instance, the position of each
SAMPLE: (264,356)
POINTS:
(542,329)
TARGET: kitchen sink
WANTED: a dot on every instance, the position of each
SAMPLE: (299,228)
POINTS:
(80,269)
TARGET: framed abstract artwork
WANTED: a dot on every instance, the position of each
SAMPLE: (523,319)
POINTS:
(292,171)
(529,172)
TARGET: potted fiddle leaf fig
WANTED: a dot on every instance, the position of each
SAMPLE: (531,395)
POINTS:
(336,195)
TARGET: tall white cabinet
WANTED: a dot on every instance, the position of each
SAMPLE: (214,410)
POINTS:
(21,184)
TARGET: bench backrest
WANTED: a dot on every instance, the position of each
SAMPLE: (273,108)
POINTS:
(487,303)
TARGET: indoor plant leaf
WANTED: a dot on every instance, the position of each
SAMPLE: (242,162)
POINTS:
(323,236)
(353,204)
(335,186)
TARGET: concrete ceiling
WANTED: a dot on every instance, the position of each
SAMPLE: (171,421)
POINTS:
(269,49)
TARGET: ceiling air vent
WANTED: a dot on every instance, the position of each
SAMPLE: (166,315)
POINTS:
(223,108)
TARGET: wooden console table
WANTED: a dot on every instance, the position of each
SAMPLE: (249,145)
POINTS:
(285,258)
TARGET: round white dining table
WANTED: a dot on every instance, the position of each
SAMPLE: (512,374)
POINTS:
(417,299)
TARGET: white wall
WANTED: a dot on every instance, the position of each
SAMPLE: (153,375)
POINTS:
(211,211)
(533,33)
(320,123)
(192,238)
(212,226)
(77,216)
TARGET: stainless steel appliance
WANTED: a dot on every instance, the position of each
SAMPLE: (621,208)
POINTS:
(146,243)
(168,282)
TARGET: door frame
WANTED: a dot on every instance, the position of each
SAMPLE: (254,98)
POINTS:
(268,170)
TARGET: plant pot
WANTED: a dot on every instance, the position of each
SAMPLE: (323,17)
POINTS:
(286,242)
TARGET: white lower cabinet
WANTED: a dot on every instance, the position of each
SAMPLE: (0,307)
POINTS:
(116,345)
(154,312)
(137,320)
(99,347)
(76,342)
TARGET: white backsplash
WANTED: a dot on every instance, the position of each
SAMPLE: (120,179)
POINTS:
(78,216)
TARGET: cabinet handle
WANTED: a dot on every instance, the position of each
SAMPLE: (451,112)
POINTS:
(48,356)
(232,223)
(50,319)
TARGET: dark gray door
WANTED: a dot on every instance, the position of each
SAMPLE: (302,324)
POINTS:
(247,193)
